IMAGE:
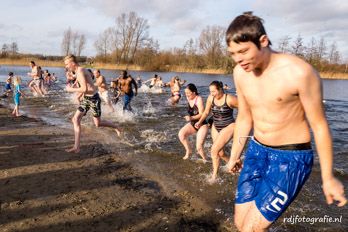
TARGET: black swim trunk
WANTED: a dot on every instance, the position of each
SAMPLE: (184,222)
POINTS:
(93,103)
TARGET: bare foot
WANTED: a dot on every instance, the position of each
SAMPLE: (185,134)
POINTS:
(187,155)
(119,132)
(73,150)
(212,180)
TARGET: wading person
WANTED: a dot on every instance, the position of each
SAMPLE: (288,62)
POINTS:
(195,108)
(90,100)
(221,105)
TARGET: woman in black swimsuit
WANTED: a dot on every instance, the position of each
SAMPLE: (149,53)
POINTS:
(195,109)
(221,105)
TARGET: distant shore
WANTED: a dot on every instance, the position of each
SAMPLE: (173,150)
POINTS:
(49,63)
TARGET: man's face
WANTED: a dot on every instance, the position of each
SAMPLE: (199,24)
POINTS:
(96,74)
(245,54)
(69,65)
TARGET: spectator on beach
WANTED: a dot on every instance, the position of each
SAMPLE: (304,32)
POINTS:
(17,95)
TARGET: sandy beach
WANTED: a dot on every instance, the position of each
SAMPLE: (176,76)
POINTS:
(43,188)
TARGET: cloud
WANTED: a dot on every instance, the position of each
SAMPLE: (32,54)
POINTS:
(324,18)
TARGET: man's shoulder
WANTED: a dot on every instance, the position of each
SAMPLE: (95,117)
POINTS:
(295,66)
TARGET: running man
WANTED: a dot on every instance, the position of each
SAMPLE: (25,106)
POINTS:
(102,88)
(280,100)
(90,100)
(125,84)
(35,84)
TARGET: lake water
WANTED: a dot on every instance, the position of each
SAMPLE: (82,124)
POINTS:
(153,129)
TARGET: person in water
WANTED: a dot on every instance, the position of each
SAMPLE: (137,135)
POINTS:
(17,94)
(90,100)
(195,108)
(102,88)
(152,81)
(114,92)
(280,100)
(125,84)
(36,82)
(221,105)
(175,85)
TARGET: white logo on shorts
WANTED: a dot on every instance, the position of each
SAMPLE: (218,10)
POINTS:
(275,201)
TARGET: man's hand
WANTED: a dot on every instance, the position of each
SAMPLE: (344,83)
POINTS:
(334,191)
(234,165)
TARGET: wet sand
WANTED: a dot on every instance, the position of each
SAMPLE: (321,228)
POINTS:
(44,188)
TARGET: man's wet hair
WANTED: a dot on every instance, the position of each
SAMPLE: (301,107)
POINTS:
(246,28)
(71,57)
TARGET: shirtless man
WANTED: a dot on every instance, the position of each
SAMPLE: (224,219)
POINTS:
(152,81)
(90,100)
(35,84)
(102,88)
(175,86)
(125,83)
(280,99)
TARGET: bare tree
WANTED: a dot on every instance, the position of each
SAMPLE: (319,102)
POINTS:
(14,48)
(74,42)
(132,31)
(283,45)
(66,43)
(298,48)
(334,55)
(311,52)
(81,44)
(104,43)
(211,42)
(321,49)
(4,50)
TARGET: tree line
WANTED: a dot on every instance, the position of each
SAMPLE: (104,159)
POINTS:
(128,41)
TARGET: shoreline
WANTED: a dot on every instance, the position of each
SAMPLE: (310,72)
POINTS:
(45,188)
(46,63)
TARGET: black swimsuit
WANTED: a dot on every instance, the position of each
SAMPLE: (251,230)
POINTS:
(193,111)
(222,115)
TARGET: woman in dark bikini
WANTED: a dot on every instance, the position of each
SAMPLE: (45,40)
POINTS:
(195,109)
(221,105)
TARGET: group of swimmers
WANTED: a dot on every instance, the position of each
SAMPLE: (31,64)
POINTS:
(279,101)
(41,80)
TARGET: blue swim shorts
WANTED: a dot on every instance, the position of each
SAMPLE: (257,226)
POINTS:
(272,177)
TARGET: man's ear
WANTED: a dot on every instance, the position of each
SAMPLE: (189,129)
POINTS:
(264,42)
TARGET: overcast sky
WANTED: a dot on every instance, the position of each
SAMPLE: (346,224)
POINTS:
(37,26)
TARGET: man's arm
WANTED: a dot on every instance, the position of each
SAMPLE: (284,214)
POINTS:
(241,130)
(310,92)
(135,86)
(81,78)
(98,81)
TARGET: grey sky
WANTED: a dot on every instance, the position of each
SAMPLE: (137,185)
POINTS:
(37,26)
